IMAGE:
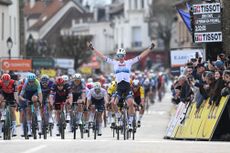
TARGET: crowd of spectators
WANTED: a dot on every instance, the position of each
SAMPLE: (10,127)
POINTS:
(202,80)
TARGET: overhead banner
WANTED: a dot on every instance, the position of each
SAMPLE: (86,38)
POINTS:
(17,65)
(64,63)
(179,57)
(207,22)
(43,62)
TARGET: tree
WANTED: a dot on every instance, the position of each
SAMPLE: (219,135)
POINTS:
(162,14)
(226,26)
(74,47)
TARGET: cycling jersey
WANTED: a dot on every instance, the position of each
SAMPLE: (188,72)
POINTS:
(111,89)
(8,90)
(97,99)
(46,91)
(93,94)
(77,90)
(139,92)
(122,70)
(60,95)
(31,88)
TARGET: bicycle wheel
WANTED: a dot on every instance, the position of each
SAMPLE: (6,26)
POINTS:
(82,130)
(105,119)
(62,125)
(95,129)
(73,120)
(124,127)
(7,126)
(34,125)
(134,128)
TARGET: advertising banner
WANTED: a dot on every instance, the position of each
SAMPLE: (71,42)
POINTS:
(17,65)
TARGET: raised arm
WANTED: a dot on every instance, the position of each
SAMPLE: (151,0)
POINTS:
(98,53)
(147,51)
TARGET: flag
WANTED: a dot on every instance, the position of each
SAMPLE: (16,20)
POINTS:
(186,18)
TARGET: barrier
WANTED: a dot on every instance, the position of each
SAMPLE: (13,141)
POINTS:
(190,123)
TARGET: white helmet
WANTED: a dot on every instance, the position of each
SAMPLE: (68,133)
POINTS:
(90,80)
(136,82)
(97,85)
(121,51)
(77,76)
(65,77)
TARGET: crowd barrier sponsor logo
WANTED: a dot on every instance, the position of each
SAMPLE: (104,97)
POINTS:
(199,123)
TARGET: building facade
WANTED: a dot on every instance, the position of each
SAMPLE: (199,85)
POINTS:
(9,27)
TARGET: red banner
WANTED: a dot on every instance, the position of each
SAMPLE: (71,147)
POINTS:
(17,65)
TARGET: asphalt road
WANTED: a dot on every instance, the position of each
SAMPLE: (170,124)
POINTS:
(149,139)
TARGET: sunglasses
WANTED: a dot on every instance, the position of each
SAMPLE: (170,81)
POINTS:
(97,90)
(120,55)
(60,85)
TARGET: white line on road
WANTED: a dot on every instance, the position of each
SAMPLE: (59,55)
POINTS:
(35,149)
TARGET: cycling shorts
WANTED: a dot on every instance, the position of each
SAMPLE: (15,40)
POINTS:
(123,90)
(99,104)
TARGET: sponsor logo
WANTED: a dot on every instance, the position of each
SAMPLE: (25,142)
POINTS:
(206,8)
(208,37)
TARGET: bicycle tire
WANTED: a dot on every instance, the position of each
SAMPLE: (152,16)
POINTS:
(34,125)
(7,126)
(95,130)
(124,126)
(118,133)
(82,130)
(62,125)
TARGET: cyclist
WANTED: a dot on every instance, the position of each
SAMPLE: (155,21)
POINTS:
(46,85)
(78,91)
(60,94)
(139,98)
(97,99)
(31,93)
(122,69)
(8,96)
(111,98)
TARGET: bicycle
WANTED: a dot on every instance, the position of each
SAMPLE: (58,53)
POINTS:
(7,123)
(95,124)
(34,120)
(62,122)
(46,126)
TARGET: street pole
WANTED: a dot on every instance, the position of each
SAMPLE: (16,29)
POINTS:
(9,52)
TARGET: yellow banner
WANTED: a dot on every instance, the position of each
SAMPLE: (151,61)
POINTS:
(200,123)
(49,72)
(86,70)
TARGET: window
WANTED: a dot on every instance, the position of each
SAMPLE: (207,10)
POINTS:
(3,26)
(15,31)
(142,3)
(135,7)
(10,26)
(136,37)
(130,4)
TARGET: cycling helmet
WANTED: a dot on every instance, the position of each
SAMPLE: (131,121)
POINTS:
(44,78)
(65,77)
(136,83)
(89,85)
(121,51)
(89,80)
(6,77)
(60,81)
(77,76)
(31,77)
(97,85)
(146,82)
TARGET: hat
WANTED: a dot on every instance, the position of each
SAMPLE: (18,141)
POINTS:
(219,64)
(200,65)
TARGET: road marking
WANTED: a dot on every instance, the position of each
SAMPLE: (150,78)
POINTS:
(35,149)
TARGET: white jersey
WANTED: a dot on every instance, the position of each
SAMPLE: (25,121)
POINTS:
(122,70)
(93,94)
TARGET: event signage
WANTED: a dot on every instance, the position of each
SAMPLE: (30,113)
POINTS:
(207,22)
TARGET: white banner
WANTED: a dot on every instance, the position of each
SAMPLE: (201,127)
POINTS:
(180,57)
(64,63)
